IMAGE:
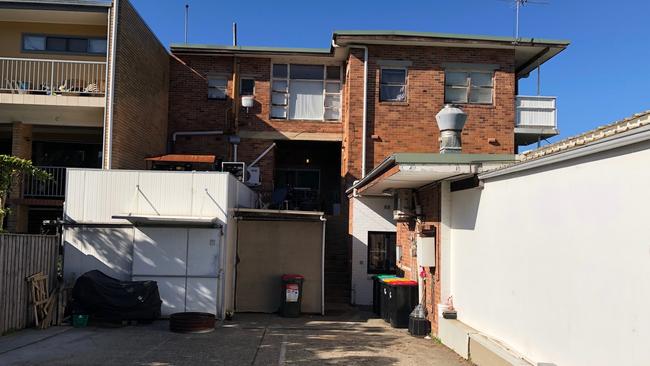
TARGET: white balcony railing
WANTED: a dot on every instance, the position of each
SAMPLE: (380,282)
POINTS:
(51,188)
(52,77)
(536,111)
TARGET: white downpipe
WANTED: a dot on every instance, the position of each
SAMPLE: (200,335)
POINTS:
(322,277)
(365,108)
(109,134)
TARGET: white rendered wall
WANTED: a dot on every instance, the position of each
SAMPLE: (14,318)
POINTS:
(555,262)
(368,214)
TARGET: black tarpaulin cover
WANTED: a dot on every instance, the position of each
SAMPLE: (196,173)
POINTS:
(108,298)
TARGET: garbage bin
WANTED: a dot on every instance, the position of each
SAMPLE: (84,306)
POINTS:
(403,297)
(376,291)
(291,295)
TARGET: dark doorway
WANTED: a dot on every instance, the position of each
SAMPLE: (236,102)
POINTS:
(308,175)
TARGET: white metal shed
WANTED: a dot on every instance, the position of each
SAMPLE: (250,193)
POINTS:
(171,227)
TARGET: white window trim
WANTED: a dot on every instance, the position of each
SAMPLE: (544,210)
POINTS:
(469,84)
(324,81)
(406,83)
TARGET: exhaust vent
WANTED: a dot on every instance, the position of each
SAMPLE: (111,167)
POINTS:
(451,121)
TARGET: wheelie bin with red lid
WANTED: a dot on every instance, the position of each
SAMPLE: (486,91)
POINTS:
(291,295)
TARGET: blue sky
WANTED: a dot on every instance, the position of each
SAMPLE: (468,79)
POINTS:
(603,76)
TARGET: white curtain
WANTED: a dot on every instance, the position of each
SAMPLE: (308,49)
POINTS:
(306,100)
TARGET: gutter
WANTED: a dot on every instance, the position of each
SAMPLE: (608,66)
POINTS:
(638,135)
(389,161)
(109,134)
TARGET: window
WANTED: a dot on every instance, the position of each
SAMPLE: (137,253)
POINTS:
(217,88)
(247,87)
(393,85)
(306,92)
(60,44)
(381,252)
(468,87)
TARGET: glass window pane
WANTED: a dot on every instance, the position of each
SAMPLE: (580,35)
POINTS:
(480,95)
(280,71)
(280,85)
(247,87)
(332,101)
(78,45)
(332,114)
(278,112)
(333,72)
(381,252)
(97,46)
(393,93)
(455,95)
(393,76)
(306,100)
(56,44)
(217,82)
(34,43)
(279,99)
(332,87)
(481,79)
(309,72)
(456,78)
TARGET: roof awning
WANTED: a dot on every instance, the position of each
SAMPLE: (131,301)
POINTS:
(278,215)
(180,158)
(178,221)
(415,170)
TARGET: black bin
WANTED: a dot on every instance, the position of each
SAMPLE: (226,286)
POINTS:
(384,301)
(402,298)
(291,295)
(376,292)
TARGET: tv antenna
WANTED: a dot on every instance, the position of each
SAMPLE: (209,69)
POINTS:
(518,4)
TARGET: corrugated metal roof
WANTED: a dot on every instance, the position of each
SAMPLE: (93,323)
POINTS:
(180,158)
(452,36)
(586,138)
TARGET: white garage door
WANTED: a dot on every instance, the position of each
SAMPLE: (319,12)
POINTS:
(186,264)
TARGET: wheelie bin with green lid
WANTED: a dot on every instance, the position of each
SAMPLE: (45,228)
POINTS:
(376,291)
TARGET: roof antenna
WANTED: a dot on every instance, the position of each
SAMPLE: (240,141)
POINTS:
(187,13)
(234,34)
(518,4)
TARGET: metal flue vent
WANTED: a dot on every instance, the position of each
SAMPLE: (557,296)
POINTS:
(451,121)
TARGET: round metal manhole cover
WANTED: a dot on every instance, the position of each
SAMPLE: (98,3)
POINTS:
(191,322)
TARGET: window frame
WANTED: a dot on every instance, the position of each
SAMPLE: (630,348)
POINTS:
(406,83)
(393,270)
(67,38)
(469,87)
(287,94)
(225,87)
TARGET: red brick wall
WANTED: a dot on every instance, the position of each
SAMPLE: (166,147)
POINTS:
(407,232)
(411,126)
(141,92)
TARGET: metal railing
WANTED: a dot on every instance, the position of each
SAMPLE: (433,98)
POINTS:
(536,111)
(52,77)
(52,188)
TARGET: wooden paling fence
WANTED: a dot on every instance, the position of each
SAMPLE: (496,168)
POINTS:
(20,257)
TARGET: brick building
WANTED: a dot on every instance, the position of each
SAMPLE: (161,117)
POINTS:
(72,97)
(323,118)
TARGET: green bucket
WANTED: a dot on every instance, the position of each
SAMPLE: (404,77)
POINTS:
(79,320)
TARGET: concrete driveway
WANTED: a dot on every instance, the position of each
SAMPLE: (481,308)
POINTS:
(251,339)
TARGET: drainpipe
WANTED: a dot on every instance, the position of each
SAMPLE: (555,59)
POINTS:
(322,277)
(365,108)
(108,141)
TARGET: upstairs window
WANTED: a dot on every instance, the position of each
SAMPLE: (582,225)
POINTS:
(217,88)
(306,92)
(61,44)
(469,87)
(392,85)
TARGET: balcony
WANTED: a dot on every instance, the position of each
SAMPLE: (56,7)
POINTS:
(49,189)
(536,119)
(52,82)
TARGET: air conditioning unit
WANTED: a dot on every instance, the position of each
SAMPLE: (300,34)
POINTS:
(404,206)
(253,178)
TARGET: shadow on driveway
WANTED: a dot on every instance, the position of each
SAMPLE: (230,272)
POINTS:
(352,338)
